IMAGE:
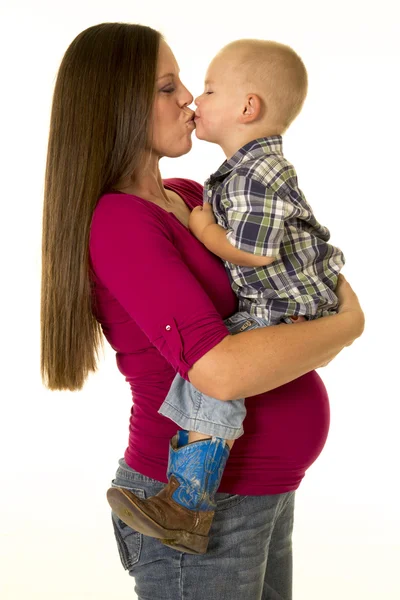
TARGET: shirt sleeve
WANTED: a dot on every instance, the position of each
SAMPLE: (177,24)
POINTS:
(255,216)
(133,254)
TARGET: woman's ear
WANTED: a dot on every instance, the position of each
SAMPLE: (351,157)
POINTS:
(251,110)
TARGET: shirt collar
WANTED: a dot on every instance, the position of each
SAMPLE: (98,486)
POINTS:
(264,146)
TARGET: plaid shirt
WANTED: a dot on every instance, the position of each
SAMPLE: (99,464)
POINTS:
(255,197)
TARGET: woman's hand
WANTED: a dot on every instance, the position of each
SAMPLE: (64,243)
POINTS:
(200,218)
(349,304)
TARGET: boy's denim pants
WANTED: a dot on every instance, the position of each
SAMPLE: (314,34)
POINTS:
(194,411)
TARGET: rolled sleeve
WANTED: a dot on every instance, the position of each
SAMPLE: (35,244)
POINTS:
(255,216)
(184,344)
(133,255)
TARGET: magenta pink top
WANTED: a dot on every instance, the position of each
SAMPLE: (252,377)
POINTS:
(161,298)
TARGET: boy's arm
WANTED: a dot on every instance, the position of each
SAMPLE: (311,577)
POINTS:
(255,217)
(203,225)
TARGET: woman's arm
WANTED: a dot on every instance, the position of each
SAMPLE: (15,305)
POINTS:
(259,360)
(130,250)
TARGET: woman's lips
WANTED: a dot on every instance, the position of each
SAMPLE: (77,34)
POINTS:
(190,122)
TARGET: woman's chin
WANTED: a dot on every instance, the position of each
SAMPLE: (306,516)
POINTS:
(184,149)
(189,147)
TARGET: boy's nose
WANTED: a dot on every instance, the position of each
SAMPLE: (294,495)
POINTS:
(196,100)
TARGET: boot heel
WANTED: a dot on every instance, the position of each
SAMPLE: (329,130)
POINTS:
(121,503)
(127,507)
(191,543)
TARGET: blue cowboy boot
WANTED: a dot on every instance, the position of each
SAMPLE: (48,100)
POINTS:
(181,514)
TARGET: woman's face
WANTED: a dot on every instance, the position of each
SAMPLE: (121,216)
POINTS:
(172,123)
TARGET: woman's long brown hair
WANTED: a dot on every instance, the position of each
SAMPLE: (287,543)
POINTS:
(99,125)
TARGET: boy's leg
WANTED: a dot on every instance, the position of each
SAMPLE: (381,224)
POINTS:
(196,412)
(194,436)
(181,515)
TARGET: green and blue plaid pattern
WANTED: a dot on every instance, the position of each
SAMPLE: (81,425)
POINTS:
(256,198)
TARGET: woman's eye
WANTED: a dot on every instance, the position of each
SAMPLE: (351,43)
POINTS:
(168,90)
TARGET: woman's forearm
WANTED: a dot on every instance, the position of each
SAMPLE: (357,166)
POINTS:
(259,360)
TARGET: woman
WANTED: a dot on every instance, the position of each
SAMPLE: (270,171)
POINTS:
(118,258)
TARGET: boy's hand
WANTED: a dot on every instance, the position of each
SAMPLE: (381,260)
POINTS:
(200,218)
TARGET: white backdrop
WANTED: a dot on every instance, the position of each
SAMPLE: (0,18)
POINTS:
(56,535)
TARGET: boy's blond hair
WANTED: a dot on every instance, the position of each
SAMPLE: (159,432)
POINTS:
(276,73)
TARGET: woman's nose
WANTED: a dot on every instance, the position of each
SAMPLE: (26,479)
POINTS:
(188,98)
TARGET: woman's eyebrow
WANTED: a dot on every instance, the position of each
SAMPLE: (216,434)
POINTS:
(166,75)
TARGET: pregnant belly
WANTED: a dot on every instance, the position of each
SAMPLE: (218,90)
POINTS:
(285,431)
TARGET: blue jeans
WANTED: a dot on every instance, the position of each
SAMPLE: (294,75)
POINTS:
(249,555)
(194,411)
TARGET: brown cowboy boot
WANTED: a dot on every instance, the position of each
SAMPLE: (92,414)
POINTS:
(182,513)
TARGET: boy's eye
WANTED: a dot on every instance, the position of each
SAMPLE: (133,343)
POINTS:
(208,93)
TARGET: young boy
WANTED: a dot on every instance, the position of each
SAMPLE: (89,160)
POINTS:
(280,264)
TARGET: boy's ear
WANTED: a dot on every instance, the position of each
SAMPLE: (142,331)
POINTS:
(251,109)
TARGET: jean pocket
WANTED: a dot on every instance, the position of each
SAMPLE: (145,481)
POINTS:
(128,540)
(225,501)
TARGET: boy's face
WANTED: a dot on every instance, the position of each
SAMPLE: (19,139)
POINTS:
(219,107)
